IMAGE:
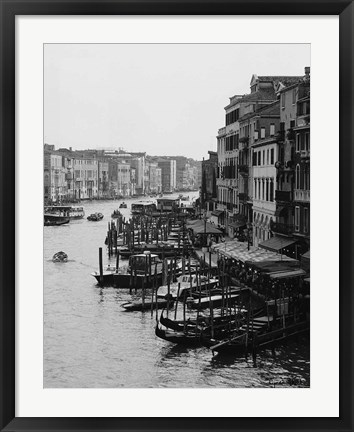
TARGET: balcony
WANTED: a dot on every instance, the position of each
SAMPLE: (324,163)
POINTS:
(302,195)
(243,170)
(282,228)
(305,154)
(284,196)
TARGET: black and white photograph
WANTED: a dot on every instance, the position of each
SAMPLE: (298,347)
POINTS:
(176,197)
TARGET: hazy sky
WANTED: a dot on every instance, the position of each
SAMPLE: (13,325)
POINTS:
(162,99)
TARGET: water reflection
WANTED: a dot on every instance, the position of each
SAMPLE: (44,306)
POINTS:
(90,341)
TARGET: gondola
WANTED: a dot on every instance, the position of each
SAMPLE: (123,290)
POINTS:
(123,205)
(179,337)
(147,305)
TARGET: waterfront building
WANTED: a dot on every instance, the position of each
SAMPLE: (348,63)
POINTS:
(55,186)
(85,175)
(155,181)
(234,180)
(119,177)
(103,179)
(264,148)
(208,186)
(302,166)
(291,226)
(138,163)
(168,174)
(132,181)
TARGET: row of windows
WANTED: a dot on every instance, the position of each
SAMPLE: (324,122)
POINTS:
(263,157)
(85,162)
(84,173)
(302,142)
(232,117)
(306,219)
(264,189)
(231,143)
(302,177)
(286,95)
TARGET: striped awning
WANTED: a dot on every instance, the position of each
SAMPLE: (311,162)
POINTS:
(276,244)
(287,274)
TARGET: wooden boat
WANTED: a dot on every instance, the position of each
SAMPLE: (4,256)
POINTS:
(55,220)
(147,305)
(160,249)
(215,300)
(60,257)
(191,339)
(123,205)
(186,284)
(144,270)
(95,217)
(107,275)
(256,337)
(143,207)
(116,214)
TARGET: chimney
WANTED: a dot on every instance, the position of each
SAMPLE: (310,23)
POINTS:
(307,72)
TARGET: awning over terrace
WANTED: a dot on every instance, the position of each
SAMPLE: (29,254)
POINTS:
(239,250)
(276,244)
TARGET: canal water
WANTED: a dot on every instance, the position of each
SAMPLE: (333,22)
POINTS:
(91,342)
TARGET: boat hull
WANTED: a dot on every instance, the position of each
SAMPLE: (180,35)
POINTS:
(148,305)
(178,337)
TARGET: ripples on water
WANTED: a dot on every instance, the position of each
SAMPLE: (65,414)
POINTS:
(90,341)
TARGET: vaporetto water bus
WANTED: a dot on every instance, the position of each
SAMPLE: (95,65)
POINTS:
(71,212)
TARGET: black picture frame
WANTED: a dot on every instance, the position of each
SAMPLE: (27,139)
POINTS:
(9,10)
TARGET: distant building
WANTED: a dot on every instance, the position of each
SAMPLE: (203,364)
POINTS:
(85,175)
(208,183)
(168,174)
(103,179)
(155,178)
(55,186)
(138,163)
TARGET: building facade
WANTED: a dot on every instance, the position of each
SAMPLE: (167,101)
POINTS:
(208,187)
(168,174)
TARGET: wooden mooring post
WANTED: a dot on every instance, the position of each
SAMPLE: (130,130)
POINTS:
(100,265)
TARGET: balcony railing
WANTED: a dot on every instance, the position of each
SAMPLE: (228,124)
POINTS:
(302,195)
(282,228)
(285,196)
(305,154)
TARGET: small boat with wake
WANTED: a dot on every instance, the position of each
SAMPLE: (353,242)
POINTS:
(95,217)
(60,257)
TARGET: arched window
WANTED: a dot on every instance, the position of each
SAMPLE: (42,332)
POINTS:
(297,177)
